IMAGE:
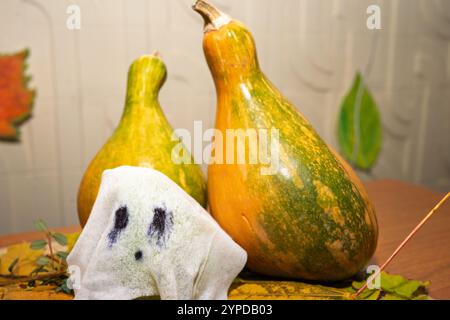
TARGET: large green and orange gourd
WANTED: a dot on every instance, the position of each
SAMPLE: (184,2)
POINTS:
(143,138)
(311,219)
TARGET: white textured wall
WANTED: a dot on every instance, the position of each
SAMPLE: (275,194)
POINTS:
(309,48)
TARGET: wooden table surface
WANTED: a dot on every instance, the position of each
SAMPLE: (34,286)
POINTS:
(400,207)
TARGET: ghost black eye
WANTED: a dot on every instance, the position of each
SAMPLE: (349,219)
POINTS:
(121,220)
(138,255)
(120,223)
(161,226)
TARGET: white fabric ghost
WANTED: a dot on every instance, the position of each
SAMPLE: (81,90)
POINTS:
(146,237)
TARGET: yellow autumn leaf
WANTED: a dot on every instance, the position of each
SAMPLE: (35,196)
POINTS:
(71,240)
(284,290)
(27,259)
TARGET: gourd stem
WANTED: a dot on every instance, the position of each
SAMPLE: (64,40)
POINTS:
(428,216)
(214,18)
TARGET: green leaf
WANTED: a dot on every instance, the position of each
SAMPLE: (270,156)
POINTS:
(38,244)
(38,270)
(359,126)
(60,238)
(402,287)
(64,288)
(390,296)
(395,287)
(375,295)
(13,265)
(62,255)
(42,261)
(40,225)
(367,294)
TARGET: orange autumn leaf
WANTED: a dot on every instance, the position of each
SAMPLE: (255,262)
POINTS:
(16,99)
(37,293)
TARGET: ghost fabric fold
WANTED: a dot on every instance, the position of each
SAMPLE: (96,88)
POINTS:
(147,237)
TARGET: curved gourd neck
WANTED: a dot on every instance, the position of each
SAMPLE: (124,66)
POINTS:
(231,56)
(229,48)
(146,76)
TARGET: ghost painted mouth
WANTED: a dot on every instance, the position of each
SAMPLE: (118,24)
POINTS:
(138,255)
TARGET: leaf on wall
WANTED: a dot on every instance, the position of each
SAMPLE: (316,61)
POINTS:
(359,126)
(16,99)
